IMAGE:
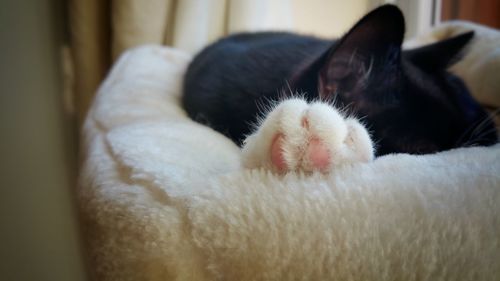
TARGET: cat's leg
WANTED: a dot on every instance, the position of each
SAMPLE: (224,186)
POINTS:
(309,137)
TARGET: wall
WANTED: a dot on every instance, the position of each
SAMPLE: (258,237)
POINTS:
(333,18)
(39,236)
(328,18)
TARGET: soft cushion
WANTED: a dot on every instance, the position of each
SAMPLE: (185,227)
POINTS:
(165,198)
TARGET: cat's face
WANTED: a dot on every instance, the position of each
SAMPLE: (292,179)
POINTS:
(407,98)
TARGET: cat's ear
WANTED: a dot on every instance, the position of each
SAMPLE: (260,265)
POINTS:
(440,55)
(372,46)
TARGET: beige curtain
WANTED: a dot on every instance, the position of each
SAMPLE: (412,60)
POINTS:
(102,29)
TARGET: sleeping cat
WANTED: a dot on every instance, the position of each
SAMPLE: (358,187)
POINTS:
(406,99)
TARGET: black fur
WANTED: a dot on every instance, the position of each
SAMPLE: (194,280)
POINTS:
(407,99)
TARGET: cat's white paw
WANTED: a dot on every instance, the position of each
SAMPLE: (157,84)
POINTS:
(309,137)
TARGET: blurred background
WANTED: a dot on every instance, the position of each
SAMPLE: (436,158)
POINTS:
(54,54)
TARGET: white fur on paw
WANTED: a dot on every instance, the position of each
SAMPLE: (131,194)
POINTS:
(309,137)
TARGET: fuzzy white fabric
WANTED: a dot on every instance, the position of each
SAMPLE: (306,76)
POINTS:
(164,198)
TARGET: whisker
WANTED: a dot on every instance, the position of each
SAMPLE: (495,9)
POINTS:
(368,72)
(471,127)
(483,123)
(289,88)
(477,126)
(354,53)
(481,137)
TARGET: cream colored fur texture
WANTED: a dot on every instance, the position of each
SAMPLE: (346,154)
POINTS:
(165,198)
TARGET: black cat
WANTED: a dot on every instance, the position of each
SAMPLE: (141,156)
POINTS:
(407,99)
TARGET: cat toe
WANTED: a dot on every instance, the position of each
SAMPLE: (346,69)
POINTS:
(358,141)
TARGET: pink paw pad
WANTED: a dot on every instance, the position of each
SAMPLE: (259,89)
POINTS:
(277,157)
(316,154)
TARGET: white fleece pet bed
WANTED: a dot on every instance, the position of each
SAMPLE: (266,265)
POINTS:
(164,198)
